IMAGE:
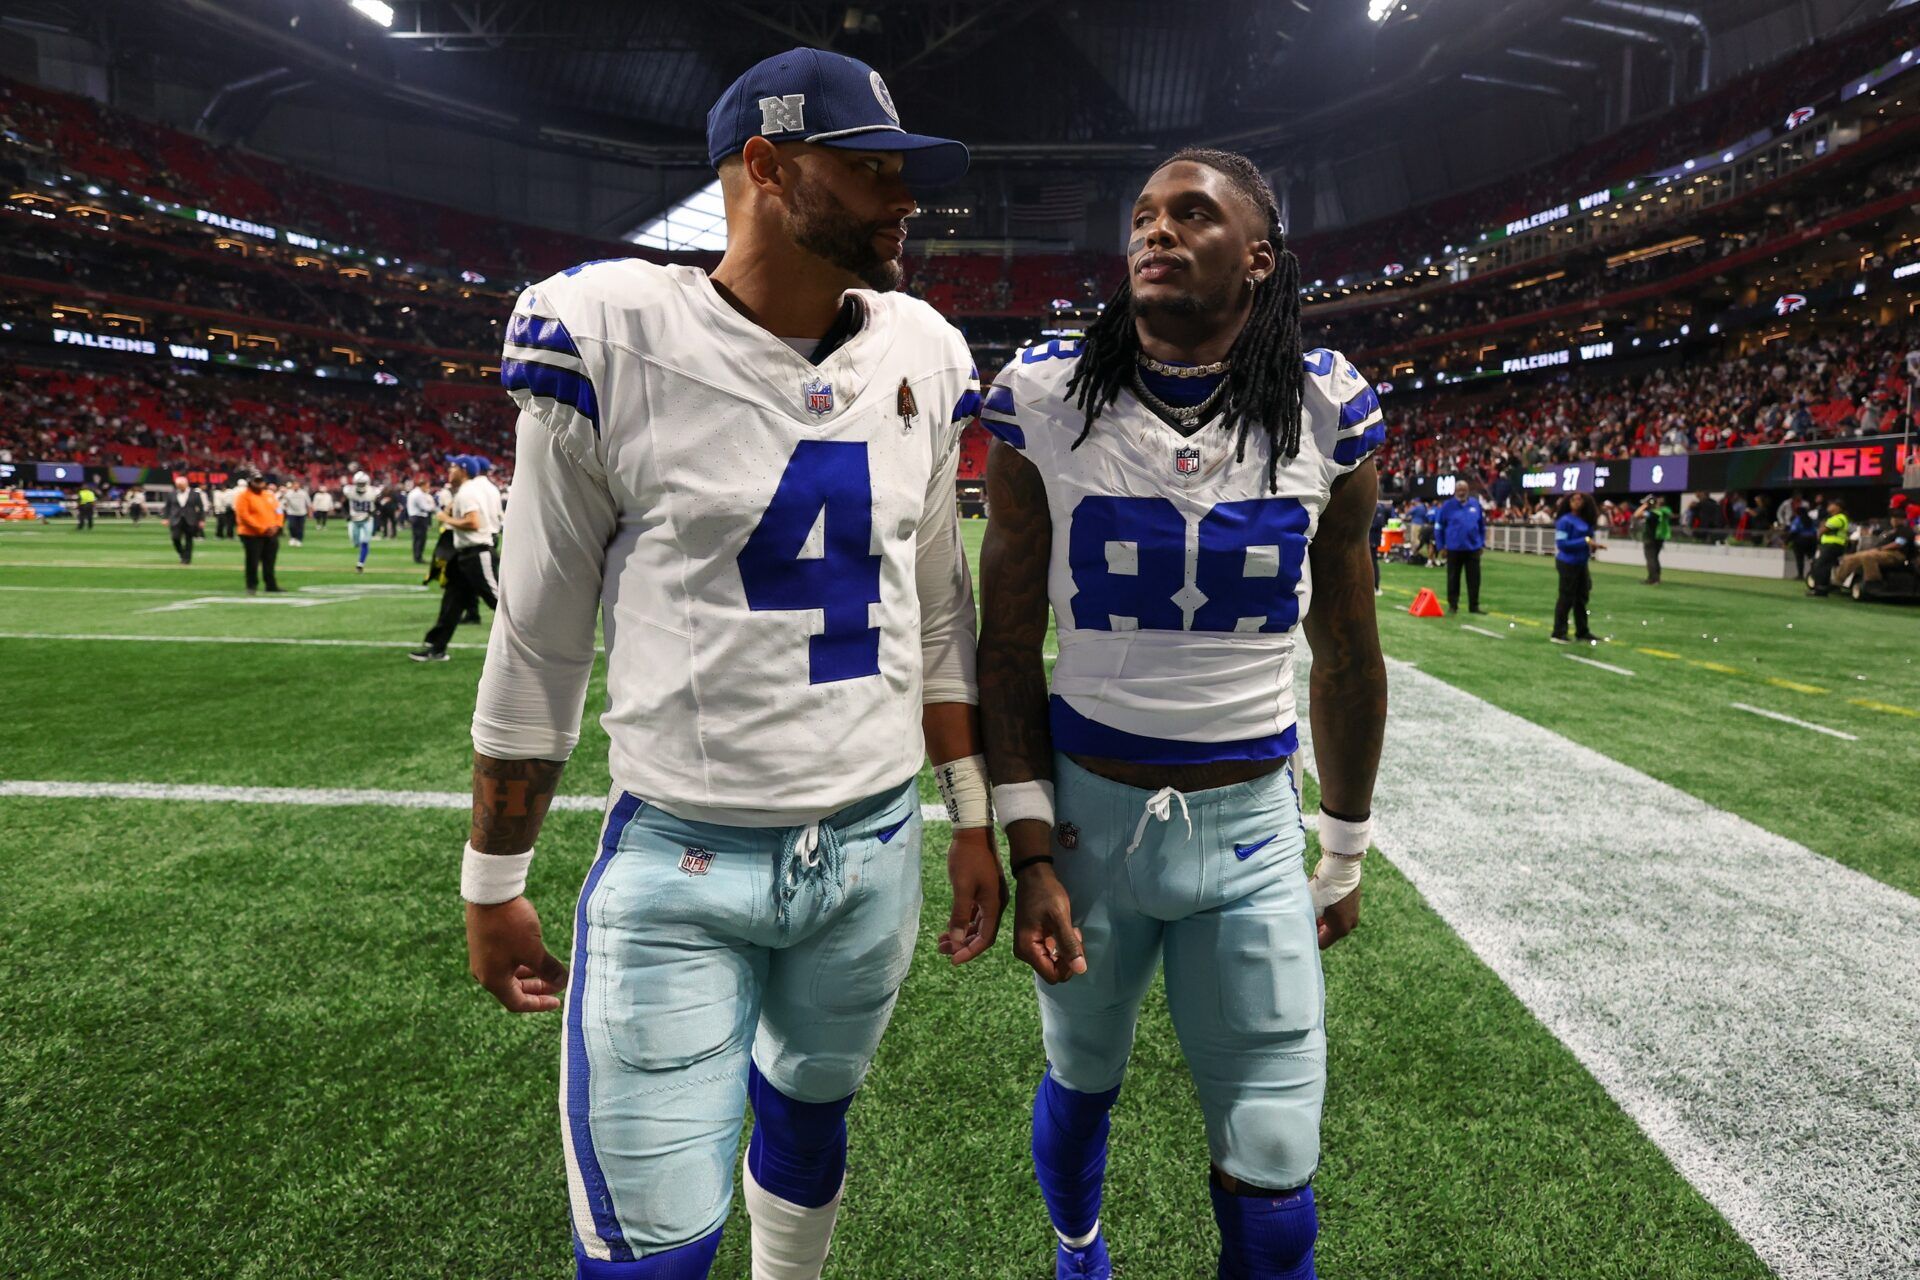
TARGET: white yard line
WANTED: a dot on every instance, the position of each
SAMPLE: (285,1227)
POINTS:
(331,591)
(110,591)
(170,566)
(313,641)
(328,798)
(1479,631)
(1604,666)
(1749,1003)
(1804,724)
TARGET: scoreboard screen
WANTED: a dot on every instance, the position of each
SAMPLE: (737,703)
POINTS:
(1666,474)
(1568,477)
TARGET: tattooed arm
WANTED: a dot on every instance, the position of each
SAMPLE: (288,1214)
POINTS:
(1349,684)
(505,952)
(510,799)
(1013,699)
(526,717)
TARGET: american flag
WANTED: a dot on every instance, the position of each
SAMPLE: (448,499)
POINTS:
(1052,200)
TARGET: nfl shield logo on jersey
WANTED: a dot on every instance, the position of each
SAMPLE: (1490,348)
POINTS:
(1186,461)
(818,396)
(696,861)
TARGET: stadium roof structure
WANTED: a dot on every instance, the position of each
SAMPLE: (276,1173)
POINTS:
(1437,96)
(1085,81)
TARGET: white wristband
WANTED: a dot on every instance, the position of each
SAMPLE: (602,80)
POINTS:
(1334,877)
(487,879)
(963,786)
(1342,846)
(1018,801)
(1337,835)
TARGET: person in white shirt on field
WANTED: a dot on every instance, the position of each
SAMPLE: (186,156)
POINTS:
(474,519)
(322,506)
(420,508)
(295,503)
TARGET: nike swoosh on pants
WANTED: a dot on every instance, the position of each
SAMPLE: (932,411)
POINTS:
(1245,851)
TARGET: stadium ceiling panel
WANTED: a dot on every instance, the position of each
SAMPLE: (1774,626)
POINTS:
(1088,82)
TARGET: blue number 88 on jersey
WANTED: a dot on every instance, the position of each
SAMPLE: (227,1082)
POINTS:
(1128,560)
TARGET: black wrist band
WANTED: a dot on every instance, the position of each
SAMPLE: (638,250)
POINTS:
(1034,861)
(1343,817)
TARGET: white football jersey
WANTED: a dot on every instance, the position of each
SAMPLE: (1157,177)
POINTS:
(1178,579)
(772,544)
(360,501)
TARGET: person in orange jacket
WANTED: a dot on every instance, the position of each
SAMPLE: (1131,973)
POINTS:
(257,515)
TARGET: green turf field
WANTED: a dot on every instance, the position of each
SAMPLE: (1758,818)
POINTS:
(240,1039)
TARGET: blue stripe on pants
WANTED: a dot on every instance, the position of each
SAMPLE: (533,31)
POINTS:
(579,1104)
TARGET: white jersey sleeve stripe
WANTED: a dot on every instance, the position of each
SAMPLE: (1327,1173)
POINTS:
(540,355)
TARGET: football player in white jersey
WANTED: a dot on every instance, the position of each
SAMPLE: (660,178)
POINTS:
(1178,488)
(360,496)
(749,478)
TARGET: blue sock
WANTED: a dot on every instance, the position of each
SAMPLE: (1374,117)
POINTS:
(1266,1237)
(1070,1152)
(799,1149)
(688,1262)
(364,548)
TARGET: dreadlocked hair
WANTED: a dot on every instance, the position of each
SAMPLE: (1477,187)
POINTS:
(1266,381)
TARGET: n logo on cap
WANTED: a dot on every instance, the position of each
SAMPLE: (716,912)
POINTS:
(784,115)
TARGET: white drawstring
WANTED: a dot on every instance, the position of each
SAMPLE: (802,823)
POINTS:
(1160,805)
(812,845)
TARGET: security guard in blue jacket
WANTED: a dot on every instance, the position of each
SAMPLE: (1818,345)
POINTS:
(1460,530)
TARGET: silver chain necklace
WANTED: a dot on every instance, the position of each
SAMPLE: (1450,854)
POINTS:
(1166,370)
(1180,415)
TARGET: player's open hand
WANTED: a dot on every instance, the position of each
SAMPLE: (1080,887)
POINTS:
(1043,933)
(979,895)
(507,957)
(1340,919)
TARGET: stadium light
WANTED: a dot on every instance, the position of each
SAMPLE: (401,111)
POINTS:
(1380,10)
(379,11)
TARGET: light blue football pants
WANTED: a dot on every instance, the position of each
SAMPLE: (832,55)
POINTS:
(1211,884)
(698,946)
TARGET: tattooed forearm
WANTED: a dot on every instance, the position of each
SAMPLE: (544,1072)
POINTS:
(1013,623)
(510,799)
(1349,689)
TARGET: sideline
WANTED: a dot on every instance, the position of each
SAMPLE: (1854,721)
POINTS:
(326,798)
(315,641)
(1749,1003)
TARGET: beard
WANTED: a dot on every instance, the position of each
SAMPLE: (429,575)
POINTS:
(822,226)
(1190,305)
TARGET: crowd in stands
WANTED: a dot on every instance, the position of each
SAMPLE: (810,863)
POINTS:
(323,299)
(1831,384)
(67,131)
(1587,278)
(1023,284)
(1758,100)
(157,417)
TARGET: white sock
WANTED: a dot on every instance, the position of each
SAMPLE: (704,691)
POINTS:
(789,1241)
(1079,1242)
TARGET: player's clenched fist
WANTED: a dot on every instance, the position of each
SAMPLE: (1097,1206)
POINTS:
(1043,933)
(505,954)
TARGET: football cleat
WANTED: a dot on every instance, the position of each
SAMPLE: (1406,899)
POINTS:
(428,655)
(1090,1263)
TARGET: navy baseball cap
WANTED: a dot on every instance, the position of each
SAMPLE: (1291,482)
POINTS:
(811,95)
